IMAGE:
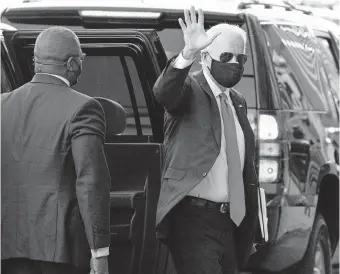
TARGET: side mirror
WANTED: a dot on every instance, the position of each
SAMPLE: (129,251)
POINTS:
(115,116)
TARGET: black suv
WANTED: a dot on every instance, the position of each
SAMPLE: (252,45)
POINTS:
(291,84)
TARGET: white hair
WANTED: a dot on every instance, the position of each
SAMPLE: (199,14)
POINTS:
(225,29)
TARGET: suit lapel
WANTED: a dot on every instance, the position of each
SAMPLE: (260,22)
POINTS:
(245,125)
(240,111)
(216,119)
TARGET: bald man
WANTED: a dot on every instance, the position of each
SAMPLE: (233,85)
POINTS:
(55,182)
(207,209)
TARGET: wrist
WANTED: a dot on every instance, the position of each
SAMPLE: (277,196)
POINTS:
(100,252)
(189,54)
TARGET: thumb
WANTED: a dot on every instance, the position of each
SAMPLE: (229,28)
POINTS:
(214,37)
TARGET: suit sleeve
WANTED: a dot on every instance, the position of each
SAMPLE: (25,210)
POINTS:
(172,86)
(87,130)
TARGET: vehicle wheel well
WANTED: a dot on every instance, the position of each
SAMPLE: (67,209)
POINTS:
(328,206)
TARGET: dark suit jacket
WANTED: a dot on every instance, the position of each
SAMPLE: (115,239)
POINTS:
(192,140)
(55,181)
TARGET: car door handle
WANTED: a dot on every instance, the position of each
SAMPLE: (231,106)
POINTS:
(125,199)
(300,146)
(133,203)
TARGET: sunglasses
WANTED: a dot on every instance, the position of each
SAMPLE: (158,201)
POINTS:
(227,56)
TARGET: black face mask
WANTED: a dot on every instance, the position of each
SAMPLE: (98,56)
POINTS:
(226,74)
(77,73)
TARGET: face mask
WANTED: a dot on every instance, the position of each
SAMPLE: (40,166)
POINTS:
(226,74)
(77,74)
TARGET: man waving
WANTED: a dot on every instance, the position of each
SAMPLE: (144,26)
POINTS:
(207,210)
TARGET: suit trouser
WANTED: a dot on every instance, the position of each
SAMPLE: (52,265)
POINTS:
(27,266)
(201,240)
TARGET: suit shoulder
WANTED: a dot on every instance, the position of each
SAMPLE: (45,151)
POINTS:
(82,98)
(78,95)
(16,92)
(5,95)
(85,101)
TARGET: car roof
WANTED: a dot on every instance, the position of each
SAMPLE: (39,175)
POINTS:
(128,5)
(5,27)
(211,7)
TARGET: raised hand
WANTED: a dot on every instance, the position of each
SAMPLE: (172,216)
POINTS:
(195,37)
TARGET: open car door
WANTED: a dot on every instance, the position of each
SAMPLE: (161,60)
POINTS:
(121,65)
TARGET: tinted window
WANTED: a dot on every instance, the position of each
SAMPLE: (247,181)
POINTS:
(173,43)
(331,74)
(6,72)
(297,67)
(332,113)
(329,61)
(5,83)
(103,76)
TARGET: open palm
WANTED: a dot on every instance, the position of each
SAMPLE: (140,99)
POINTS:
(195,37)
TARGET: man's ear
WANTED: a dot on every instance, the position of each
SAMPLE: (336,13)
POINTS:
(205,57)
(69,64)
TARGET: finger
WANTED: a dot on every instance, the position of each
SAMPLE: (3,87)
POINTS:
(181,23)
(200,17)
(214,37)
(187,18)
(193,15)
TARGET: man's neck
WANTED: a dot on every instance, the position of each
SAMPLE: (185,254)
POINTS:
(67,82)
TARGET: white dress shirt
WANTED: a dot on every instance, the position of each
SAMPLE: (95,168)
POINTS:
(100,252)
(214,186)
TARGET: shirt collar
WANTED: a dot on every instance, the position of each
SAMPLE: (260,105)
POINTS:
(58,76)
(216,89)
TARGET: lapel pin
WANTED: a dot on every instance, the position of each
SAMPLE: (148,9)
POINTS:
(240,106)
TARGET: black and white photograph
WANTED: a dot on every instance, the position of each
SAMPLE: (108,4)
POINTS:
(170,137)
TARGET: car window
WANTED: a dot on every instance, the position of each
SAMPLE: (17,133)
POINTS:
(173,43)
(297,67)
(5,82)
(333,112)
(329,62)
(103,76)
(110,73)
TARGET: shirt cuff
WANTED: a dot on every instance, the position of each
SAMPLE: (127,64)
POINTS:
(100,252)
(181,63)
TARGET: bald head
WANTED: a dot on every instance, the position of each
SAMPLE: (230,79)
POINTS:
(231,39)
(55,45)
(57,51)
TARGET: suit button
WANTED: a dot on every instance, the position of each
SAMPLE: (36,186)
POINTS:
(204,174)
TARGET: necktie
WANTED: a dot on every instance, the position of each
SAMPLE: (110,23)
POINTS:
(235,178)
